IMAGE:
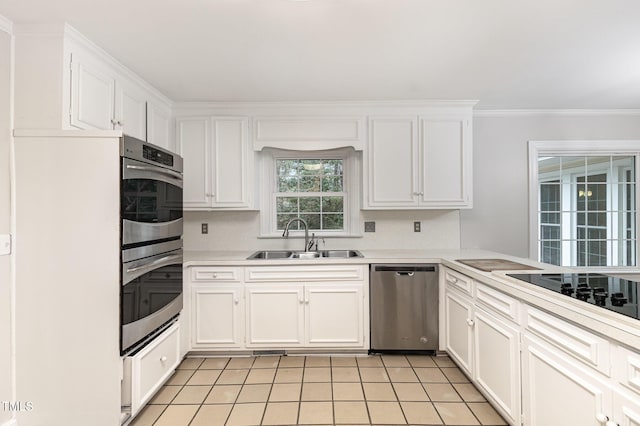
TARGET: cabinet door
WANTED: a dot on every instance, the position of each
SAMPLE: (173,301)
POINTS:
(217,317)
(446,162)
(458,331)
(557,390)
(626,409)
(131,110)
(193,145)
(333,315)
(497,362)
(232,166)
(159,125)
(274,315)
(92,96)
(391,163)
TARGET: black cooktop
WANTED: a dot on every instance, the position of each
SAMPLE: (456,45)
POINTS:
(615,294)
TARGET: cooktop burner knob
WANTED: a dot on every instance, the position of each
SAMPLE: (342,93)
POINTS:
(601,297)
(583,285)
(583,293)
(567,289)
(618,299)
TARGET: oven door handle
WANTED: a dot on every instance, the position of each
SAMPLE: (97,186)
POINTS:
(154,264)
(160,170)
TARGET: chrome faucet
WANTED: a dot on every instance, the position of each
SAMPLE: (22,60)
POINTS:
(285,233)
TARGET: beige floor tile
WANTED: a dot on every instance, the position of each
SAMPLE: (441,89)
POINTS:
(316,413)
(421,361)
(148,415)
(486,414)
(204,377)
(214,363)
(419,413)
(289,375)
(266,362)
(254,393)
(343,361)
(353,412)
(468,392)
(212,415)
(246,414)
(232,377)
(347,392)
(374,374)
(455,375)
(282,392)
(379,392)
(190,364)
(410,392)
(369,361)
(386,413)
(441,392)
(191,395)
(402,375)
(261,375)
(444,361)
(316,392)
(317,374)
(165,395)
(180,377)
(430,375)
(240,363)
(395,361)
(177,415)
(455,413)
(317,361)
(223,394)
(345,374)
(291,361)
(281,413)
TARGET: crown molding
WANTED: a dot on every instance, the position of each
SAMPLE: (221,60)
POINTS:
(555,112)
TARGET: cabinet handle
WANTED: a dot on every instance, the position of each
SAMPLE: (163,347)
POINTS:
(470,323)
(602,418)
(163,359)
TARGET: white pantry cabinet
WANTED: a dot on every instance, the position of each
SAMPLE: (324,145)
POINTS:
(482,337)
(418,162)
(218,162)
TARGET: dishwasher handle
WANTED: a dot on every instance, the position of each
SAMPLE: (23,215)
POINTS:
(404,269)
(404,274)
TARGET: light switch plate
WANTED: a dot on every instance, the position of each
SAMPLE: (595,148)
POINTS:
(5,244)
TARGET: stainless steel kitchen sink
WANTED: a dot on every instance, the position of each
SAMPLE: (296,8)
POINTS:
(284,254)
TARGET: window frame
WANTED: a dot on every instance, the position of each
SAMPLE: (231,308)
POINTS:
(537,149)
(351,188)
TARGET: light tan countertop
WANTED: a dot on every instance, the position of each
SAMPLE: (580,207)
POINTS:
(610,324)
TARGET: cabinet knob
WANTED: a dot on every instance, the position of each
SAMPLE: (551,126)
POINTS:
(454,280)
(306,302)
(301,301)
(236,301)
(602,418)
(119,123)
(113,122)
(163,359)
(214,275)
(470,322)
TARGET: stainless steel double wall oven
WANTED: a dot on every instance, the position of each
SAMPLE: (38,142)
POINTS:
(151,241)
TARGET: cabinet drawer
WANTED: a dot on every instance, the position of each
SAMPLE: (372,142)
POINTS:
(147,370)
(629,369)
(215,274)
(459,281)
(498,302)
(305,273)
(580,344)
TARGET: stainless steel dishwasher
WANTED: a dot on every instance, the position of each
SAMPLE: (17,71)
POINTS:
(404,307)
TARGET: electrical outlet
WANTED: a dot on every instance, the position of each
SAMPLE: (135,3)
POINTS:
(416,226)
(205,228)
(369,227)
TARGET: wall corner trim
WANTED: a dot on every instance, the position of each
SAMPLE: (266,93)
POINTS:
(7,26)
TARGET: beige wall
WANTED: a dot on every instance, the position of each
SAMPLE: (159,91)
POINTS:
(499,220)
(6,392)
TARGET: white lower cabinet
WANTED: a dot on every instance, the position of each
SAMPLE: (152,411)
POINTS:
(275,315)
(557,390)
(334,315)
(148,369)
(626,409)
(458,331)
(218,316)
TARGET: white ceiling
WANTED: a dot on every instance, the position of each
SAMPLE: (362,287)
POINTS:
(505,53)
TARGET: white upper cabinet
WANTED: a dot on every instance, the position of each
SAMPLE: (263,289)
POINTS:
(418,162)
(218,162)
(159,125)
(130,110)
